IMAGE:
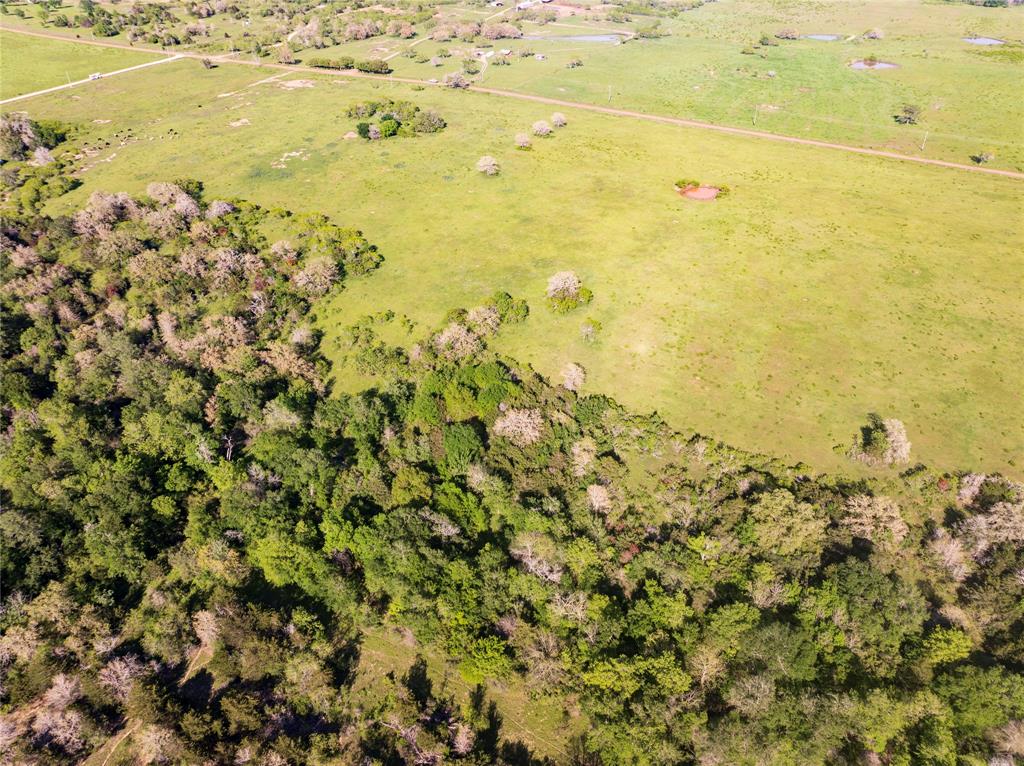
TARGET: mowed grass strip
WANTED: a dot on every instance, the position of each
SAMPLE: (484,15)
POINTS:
(28,64)
(823,287)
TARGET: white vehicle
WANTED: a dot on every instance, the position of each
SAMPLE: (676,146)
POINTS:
(95,75)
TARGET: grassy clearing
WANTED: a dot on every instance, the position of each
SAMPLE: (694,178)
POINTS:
(825,286)
(544,724)
(28,64)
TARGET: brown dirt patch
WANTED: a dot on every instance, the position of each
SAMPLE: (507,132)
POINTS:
(703,193)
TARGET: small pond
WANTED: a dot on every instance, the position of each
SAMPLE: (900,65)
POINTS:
(614,39)
(823,38)
(983,41)
(862,64)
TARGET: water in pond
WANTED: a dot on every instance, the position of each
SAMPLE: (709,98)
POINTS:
(615,39)
(823,38)
(983,41)
(861,64)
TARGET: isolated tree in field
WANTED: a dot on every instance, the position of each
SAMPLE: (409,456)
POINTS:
(908,114)
(558,120)
(488,165)
(787,34)
(455,80)
(882,441)
(541,128)
(523,141)
(565,292)
(285,55)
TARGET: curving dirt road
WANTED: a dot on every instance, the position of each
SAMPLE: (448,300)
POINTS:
(679,121)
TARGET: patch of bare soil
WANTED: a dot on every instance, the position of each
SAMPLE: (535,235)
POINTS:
(292,84)
(702,193)
(238,123)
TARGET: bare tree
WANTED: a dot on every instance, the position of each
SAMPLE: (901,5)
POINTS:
(63,691)
(537,555)
(558,120)
(573,376)
(523,141)
(455,80)
(219,208)
(876,519)
(456,341)
(541,128)
(318,276)
(599,499)
(521,427)
(564,284)
(898,450)
(488,165)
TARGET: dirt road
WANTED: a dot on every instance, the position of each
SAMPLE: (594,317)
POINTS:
(679,121)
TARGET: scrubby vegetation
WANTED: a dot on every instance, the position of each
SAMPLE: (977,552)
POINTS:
(197,529)
(394,118)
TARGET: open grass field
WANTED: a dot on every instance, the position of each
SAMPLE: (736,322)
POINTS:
(824,287)
(28,64)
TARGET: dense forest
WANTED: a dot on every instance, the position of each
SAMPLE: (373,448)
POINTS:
(198,529)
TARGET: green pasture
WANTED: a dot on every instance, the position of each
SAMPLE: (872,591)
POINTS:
(969,96)
(28,64)
(824,287)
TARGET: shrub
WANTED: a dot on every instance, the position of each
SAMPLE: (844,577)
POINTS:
(558,120)
(541,128)
(589,330)
(522,141)
(509,309)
